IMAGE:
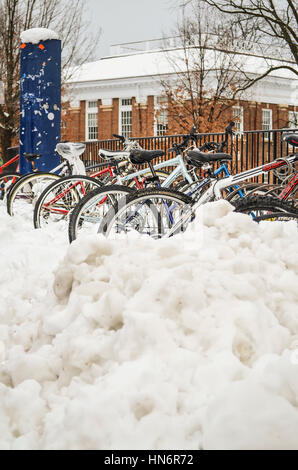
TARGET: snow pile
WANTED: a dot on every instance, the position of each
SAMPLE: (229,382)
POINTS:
(35,35)
(184,343)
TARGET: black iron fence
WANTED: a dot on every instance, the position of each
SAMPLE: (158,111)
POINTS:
(249,149)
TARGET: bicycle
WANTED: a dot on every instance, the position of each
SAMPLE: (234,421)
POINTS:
(26,189)
(120,171)
(92,208)
(163,213)
(7,179)
(60,197)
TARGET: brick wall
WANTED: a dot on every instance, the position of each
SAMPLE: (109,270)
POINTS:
(73,122)
(143,116)
(104,120)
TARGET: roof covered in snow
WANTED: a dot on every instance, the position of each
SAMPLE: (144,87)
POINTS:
(36,35)
(155,63)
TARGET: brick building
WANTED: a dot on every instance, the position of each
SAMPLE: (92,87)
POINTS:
(121,94)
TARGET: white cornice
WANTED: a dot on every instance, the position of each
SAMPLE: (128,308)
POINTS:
(271,89)
(122,82)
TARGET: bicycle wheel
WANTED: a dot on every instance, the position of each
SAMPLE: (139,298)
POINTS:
(57,201)
(26,191)
(88,214)
(154,212)
(254,189)
(267,209)
(6,182)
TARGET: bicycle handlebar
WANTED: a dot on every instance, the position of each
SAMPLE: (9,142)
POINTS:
(209,146)
(120,137)
(178,148)
(229,129)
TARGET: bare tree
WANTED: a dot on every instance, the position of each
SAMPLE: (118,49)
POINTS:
(275,20)
(207,67)
(66,18)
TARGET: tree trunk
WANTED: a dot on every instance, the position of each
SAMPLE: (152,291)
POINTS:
(6,139)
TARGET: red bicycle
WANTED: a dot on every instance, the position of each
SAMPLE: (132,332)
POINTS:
(59,199)
(8,179)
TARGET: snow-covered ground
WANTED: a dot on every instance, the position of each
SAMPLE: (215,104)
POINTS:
(185,343)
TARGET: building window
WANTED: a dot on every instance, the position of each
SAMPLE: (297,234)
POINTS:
(293,119)
(92,126)
(238,117)
(126,102)
(92,104)
(266,121)
(161,121)
(125,117)
(92,120)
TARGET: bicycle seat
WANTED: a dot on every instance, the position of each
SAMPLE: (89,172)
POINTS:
(30,157)
(291,139)
(137,157)
(115,155)
(70,149)
(197,158)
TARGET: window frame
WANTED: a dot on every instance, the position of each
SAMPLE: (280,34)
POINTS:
(91,111)
(125,108)
(266,131)
(158,102)
(239,123)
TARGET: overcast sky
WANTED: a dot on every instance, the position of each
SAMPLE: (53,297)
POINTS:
(130,20)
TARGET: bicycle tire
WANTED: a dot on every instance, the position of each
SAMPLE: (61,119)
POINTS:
(76,218)
(251,189)
(21,178)
(277,217)
(274,208)
(63,199)
(4,180)
(143,197)
(20,184)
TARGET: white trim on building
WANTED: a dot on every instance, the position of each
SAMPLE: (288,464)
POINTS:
(125,117)
(140,75)
(91,120)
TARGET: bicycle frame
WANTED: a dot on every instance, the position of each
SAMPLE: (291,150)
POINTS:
(290,188)
(7,164)
(218,186)
(57,198)
(120,179)
(222,169)
(180,170)
(61,167)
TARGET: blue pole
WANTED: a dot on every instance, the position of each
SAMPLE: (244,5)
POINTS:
(40,103)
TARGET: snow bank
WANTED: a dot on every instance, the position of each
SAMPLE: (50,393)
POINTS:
(184,343)
(36,35)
